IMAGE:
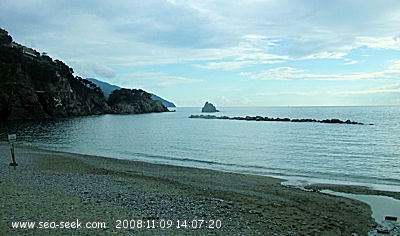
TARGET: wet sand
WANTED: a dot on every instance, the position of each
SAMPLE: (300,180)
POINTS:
(50,186)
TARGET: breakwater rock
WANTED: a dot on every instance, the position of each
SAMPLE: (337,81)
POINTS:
(261,118)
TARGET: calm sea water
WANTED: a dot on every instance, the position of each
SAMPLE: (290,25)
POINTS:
(310,152)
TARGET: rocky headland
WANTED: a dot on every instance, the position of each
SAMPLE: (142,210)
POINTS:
(134,101)
(109,88)
(261,118)
(34,86)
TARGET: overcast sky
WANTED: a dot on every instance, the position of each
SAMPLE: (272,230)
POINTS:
(232,53)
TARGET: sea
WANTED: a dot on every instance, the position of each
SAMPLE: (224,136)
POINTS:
(366,155)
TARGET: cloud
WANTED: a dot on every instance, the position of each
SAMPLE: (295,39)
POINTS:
(294,29)
(350,62)
(336,93)
(379,42)
(103,71)
(290,73)
(160,79)
(233,65)
(127,41)
(252,49)
(280,73)
(366,92)
(93,70)
(225,65)
(156,31)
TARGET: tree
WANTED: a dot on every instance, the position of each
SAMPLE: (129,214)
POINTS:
(4,37)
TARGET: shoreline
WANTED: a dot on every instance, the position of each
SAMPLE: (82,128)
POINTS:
(287,180)
(305,183)
(110,189)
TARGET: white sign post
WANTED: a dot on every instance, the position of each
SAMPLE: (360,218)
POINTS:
(12,138)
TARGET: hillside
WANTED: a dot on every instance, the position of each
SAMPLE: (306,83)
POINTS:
(106,87)
(134,101)
(164,102)
(109,88)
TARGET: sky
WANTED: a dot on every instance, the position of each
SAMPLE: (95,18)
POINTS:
(231,53)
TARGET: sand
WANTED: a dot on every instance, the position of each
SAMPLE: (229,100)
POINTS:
(144,199)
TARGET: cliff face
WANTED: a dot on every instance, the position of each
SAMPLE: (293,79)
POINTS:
(134,101)
(33,86)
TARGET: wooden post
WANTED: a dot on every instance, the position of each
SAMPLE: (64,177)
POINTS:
(11,139)
(14,163)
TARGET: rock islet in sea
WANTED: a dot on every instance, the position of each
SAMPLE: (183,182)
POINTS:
(209,108)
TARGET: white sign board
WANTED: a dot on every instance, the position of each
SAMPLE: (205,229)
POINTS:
(12,138)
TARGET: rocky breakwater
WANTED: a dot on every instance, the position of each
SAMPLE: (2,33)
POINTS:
(261,118)
(134,101)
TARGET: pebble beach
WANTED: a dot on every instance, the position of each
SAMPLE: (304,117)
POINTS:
(138,198)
